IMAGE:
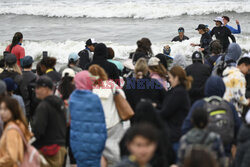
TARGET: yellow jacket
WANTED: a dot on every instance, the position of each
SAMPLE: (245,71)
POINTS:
(12,146)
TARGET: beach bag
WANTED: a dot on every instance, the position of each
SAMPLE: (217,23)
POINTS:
(124,109)
(31,155)
(221,119)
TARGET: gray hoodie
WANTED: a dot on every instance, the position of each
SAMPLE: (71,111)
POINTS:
(234,52)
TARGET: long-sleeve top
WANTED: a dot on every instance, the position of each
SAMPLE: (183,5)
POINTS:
(222,33)
(233,30)
(235,88)
(11,145)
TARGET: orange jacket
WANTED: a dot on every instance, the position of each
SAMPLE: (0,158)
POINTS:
(12,146)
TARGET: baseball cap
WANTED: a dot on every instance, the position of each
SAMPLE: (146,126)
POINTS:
(10,59)
(27,60)
(2,87)
(220,19)
(153,61)
(91,41)
(68,72)
(10,83)
(73,56)
(201,27)
(197,56)
(44,81)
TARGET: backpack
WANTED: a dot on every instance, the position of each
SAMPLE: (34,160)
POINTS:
(221,119)
(221,66)
(31,155)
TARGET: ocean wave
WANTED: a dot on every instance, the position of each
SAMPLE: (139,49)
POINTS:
(61,50)
(121,9)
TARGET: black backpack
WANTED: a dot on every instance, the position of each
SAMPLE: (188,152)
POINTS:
(221,66)
(221,119)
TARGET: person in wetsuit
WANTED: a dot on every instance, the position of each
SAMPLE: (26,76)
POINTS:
(181,37)
(205,39)
(222,33)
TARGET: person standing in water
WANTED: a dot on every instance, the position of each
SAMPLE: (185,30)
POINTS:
(16,48)
(226,20)
(222,33)
(181,37)
(205,39)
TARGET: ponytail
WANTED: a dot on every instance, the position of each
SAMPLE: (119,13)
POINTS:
(184,80)
(16,39)
(188,82)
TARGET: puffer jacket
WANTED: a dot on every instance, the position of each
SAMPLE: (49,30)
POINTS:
(243,151)
(88,129)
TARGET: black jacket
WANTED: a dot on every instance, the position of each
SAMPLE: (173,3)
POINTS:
(145,88)
(54,76)
(29,79)
(222,33)
(175,109)
(49,122)
(84,58)
(200,73)
(22,89)
(205,42)
(243,152)
(110,68)
(178,39)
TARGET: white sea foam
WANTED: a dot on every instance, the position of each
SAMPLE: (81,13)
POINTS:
(144,9)
(61,50)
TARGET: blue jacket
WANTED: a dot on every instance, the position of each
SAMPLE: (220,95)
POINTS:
(233,30)
(214,87)
(88,129)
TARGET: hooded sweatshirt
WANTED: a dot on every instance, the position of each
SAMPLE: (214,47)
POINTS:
(100,58)
(213,87)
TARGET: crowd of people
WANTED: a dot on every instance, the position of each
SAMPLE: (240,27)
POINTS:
(158,112)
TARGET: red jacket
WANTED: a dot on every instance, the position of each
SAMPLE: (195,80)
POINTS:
(19,52)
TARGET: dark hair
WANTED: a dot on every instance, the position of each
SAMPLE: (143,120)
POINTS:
(48,62)
(199,157)
(199,118)
(145,130)
(226,18)
(146,113)
(184,80)
(144,46)
(181,29)
(216,47)
(66,87)
(2,63)
(16,39)
(111,53)
(27,66)
(72,61)
(15,109)
(244,60)
(163,60)
(40,70)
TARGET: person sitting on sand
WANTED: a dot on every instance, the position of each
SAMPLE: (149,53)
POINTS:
(181,37)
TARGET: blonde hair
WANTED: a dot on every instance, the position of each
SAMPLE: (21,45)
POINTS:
(97,70)
(184,80)
(14,68)
(141,68)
